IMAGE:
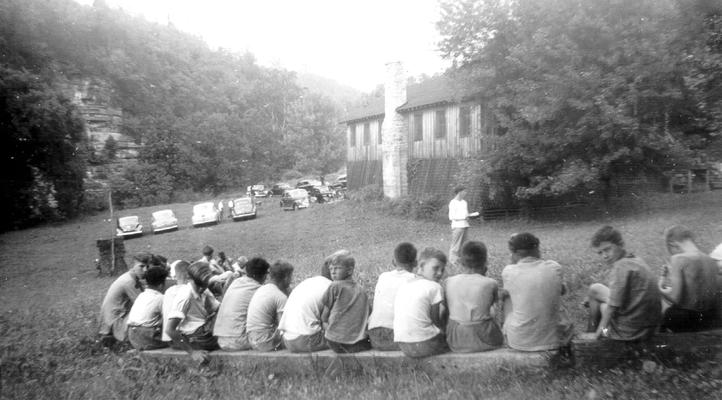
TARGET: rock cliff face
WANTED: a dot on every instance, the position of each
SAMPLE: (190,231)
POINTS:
(96,100)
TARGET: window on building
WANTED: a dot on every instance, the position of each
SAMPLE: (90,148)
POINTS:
(418,127)
(380,133)
(367,134)
(352,136)
(464,121)
(440,125)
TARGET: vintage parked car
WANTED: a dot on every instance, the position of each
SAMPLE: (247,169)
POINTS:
(340,183)
(243,207)
(206,213)
(279,188)
(164,220)
(258,191)
(320,193)
(294,199)
(129,227)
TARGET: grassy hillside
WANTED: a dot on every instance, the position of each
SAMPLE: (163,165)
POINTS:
(51,296)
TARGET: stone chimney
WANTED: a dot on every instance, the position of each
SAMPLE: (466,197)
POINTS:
(394,137)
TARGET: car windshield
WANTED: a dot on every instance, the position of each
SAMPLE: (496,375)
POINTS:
(163,214)
(242,201)
(128,221)
(296,193)
(203,207)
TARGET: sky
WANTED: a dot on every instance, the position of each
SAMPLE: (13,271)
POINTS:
(349,41)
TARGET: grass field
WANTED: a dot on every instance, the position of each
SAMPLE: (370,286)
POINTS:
(50,294)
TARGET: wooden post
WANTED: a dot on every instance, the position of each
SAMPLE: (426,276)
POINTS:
(689,181)
(112,235)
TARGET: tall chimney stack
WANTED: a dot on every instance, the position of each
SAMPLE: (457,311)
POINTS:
(394,138)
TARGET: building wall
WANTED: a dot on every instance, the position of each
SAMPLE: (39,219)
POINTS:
(359,150)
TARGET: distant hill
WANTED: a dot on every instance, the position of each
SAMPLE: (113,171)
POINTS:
(342,95)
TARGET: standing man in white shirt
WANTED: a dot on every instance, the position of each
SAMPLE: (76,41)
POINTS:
(459,217)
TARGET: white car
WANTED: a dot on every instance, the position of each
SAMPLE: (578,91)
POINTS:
(129,227)
(164,220)
(206,213)
(243,207)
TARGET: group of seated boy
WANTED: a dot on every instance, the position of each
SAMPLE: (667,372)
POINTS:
(416,308)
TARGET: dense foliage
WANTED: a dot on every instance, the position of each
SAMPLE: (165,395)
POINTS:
(207,120)
(588,90)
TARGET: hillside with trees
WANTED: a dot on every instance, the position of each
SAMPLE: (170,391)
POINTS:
(586,91)
(207,120)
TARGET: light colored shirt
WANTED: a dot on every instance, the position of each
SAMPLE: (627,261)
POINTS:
(232,315)
(265,307)
(348,312)
(382,313)
(412,310)
(458,213)
(535,287)
(469,297)
(634,291)
(192,308)
(118,300)
(168,302)
(302,313)
(147,309)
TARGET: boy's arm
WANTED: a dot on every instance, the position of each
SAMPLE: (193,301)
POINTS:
(436,315)
(607,313)
(328,300)
(673,291)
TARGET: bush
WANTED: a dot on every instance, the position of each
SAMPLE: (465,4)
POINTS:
(367,194)
(428,206)
(290,175)
(400,206)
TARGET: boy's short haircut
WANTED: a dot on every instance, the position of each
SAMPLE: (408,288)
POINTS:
(458,189)
(280,270)
(405,253)
(431,252)
(474,255)
(221,255)
(342,257)
(257,268)
(199,271)
(523,241)
(207,251)
(158,261)
(678,233)
(155,276)
(181,268)
(143,258)
(607,234)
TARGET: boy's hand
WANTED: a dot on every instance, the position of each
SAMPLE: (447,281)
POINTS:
(200,356)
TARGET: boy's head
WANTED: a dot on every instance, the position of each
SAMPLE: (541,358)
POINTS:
(474,256)
(405,256)
(281,273)
(459,191)
(158,260)
(608,243)
(341,265)
(522,245)
(676,235)
(257,269)
(141,262)
(181,270)
(208,251)
(432,263)
(155,276)
(222,256)
(200,274)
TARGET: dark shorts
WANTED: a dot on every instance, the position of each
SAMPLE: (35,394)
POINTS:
(343,348)
(383,339)
(306,343)
(201,339)
(433,346)
(467,337)
(680,320)
(145,338)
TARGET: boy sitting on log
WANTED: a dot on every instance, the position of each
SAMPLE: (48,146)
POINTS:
(145,320)
(630,307)
(266,308)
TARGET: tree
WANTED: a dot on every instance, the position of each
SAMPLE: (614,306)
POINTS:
(42,151)
(583,89)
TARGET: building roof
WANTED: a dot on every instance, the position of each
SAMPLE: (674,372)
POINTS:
(428,93)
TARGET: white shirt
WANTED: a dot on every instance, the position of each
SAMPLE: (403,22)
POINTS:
(147,309)
(382,314)
(302,313)
(458,213)
(192,308)
(263,310)
(412,311)
(168,299)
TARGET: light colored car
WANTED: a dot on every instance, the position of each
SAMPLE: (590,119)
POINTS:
(294,199)
(164,220)
(259,190)
(206,213)
(243,207)
(129,226)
